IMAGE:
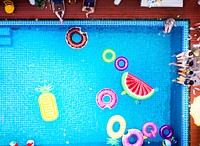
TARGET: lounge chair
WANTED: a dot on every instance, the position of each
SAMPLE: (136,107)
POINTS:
(58,7)
(89,6)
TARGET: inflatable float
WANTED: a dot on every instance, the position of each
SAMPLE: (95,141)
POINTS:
(135,87)
(71,42)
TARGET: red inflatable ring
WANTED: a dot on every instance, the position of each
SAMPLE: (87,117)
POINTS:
(73,44)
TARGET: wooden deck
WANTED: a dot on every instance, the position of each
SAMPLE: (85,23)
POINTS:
(105,9)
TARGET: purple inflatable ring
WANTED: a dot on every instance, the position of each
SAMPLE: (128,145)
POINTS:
(124,66)
(169,134)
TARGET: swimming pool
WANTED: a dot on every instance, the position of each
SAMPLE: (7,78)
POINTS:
(35,53)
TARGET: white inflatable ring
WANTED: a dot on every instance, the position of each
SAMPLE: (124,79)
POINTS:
(120,132)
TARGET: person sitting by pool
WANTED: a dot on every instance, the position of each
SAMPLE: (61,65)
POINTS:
(58,7)
(186,63)
(188,72)
(192,80)
(185,72)
(88,7)
(169,23)
(184,55)
(184,81)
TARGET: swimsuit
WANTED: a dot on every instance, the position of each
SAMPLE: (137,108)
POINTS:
(186,82)
(89,3)
(57,1)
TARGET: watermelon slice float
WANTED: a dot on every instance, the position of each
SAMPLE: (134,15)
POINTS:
(135,87)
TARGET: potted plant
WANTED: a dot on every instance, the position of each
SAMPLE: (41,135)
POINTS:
(40,4)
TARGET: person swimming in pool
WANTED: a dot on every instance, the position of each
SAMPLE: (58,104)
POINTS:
(169,23)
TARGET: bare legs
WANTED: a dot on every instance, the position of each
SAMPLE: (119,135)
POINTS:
(168,28)
(169,23)
(60,17)
(88,10)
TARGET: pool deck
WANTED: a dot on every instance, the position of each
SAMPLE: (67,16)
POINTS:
(128,9)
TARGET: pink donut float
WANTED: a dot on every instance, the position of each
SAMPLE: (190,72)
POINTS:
(151,133)
(106,92)
(133,132)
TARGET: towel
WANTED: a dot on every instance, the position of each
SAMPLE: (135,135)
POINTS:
(117,2)
(32,2)
(152,3)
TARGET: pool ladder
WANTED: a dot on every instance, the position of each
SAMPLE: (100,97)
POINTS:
(5,36)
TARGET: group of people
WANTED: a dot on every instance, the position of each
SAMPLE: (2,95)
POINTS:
(185,62)
(58,7)
(187,75)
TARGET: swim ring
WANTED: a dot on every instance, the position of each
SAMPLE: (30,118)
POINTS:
(106,52)
(120,132)
(169,133)
(106,92)
(133,132)
(153,132)
(125,63)
(71,42)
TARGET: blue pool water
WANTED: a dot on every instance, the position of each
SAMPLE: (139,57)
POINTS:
(38,54)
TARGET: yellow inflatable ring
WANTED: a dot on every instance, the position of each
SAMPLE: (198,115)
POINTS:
(109,51)
(120,132)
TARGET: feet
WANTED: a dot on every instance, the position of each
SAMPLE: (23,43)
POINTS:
(61,21)
(171,63)
(164,32)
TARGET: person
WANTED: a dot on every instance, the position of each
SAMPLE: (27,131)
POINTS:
(88,7)
(183,63)
(59,9)
(184,81)
(169,23)
(185,72)
(192,80)
(183,55)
